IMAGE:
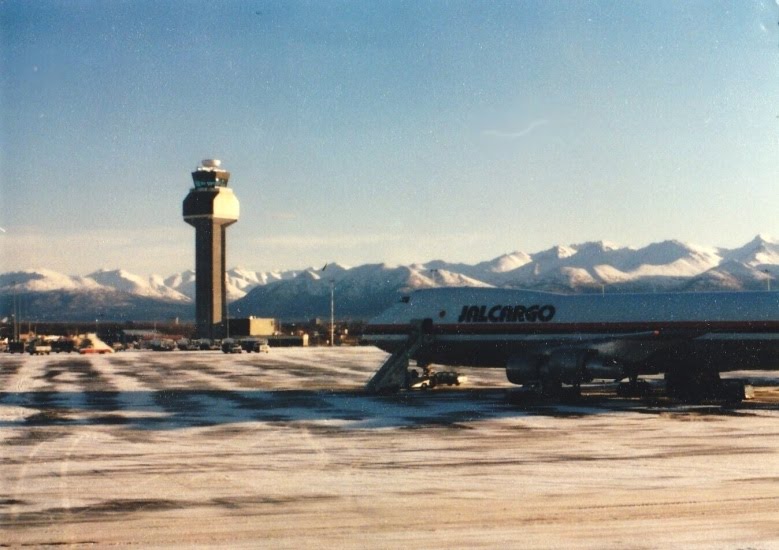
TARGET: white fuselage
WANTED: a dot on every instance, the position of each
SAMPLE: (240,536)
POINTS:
(488,327)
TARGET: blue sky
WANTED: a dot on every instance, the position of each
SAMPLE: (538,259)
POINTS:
(390,131)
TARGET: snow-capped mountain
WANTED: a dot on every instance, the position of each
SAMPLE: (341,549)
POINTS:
(365,290)
(46,280)
(124,281)
(759,251)
(360,292)
(43,280)
(239,281)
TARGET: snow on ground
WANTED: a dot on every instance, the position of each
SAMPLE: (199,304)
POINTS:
(284,450)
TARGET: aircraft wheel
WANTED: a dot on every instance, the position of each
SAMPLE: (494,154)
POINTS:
(693,385)
(639,388)
(550,387)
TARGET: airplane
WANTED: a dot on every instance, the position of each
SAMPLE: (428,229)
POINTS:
(545,340)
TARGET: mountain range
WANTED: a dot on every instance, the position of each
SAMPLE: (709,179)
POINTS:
(363,291)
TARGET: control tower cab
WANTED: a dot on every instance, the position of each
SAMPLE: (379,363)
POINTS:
(210,207)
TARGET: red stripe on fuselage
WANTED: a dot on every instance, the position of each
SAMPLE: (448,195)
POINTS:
(585,328)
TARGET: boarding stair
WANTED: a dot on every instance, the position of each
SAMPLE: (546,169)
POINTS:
(392,376)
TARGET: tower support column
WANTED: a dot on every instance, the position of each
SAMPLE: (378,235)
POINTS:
(210,284)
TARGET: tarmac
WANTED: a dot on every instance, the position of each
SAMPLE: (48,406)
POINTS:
(284,450)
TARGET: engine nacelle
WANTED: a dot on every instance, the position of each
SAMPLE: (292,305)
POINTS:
(605,369)
(569,366)
(523,369)
(566,365)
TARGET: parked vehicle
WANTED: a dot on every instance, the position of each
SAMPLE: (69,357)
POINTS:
(165,344)
(38,347)
(255,345)
(207,345)
(16,347)
(431,380)
(231,346)
(63,345)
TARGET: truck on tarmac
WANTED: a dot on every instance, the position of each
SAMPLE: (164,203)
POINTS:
(63,345)
(38,347)
(15,346)
(429,380)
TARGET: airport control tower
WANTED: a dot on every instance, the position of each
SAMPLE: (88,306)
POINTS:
(210,207)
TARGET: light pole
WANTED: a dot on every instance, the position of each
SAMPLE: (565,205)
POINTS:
(227,311)
(16,315)
(332,312)
(332,307)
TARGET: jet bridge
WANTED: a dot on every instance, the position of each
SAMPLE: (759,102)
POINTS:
(392,376)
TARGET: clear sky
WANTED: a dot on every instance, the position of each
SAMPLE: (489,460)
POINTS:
(366,131)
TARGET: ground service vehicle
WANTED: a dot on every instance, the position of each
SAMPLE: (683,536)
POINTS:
(16,347)
(38,347)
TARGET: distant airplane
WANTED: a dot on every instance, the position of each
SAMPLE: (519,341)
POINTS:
(546,340)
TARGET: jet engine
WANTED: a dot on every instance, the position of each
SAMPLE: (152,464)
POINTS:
(568,366)
(605,369)
(523,369)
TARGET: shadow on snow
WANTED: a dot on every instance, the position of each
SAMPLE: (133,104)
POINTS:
(182,408)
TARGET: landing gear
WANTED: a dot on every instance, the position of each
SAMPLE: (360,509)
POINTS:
(697,385)
(553,388)
(550,387)
(634,387)
(691,385)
